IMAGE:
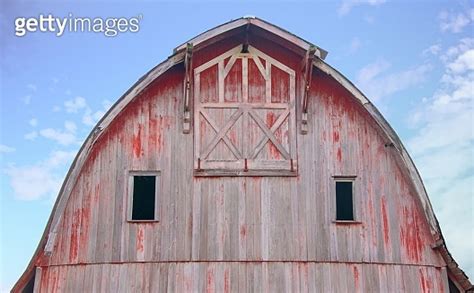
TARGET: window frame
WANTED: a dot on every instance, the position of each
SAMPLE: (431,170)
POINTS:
(345,178)
(130,186)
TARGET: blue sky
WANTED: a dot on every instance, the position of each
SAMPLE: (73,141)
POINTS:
(413,59)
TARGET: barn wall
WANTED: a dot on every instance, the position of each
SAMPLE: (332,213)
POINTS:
(243,277)
(244,218)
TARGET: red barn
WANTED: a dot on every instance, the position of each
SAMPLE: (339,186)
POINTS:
(243,162)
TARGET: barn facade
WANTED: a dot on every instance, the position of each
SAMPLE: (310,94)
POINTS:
(245,163)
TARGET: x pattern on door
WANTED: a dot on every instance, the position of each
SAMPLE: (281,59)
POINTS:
(230,133)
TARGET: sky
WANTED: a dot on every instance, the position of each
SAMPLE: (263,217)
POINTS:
(413,59)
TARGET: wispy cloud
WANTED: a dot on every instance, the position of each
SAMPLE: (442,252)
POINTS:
(347,5)
(74,105)
(443,149)
(374,81)
(89,116)
(6,149)
(455,22)
(33,122)
(433,50)
(63,137)
(40,180)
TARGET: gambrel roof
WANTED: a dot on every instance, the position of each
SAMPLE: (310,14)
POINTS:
(203,40)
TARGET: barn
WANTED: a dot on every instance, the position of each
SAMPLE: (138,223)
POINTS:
(243,162)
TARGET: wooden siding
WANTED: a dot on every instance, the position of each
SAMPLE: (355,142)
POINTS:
(243,277)
(247,219)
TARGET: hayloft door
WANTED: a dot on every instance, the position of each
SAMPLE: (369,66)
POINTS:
(244,120)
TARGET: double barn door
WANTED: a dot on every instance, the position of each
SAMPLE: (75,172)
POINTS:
(244,119)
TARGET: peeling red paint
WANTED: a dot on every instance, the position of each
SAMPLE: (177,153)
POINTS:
(410,234)
(339,154)
(243,231)
(140,237)
(256,83)
(425,283)
(274,152)
(373,226)
(210,281)
(335,136)
(76,221)
(356,278)
(226,281)
(137,143)
(233,83)
(386,229)
(336,97)
(153,132)
(96,193)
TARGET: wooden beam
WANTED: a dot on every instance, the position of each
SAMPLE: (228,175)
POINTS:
(187,87)
(308,74)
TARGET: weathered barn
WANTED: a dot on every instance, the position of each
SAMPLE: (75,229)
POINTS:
(243,162)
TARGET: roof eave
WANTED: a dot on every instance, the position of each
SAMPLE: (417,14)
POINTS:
(252,20)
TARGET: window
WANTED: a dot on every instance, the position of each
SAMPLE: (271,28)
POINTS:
(143,194)
(344,198)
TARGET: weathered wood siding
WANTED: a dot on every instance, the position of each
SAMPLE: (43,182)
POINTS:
(243,277)
(247,219)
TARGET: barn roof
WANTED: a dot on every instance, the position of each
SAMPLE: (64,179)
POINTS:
(248,22)
(203,40)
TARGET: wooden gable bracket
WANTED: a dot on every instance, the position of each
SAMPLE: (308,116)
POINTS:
(187,87)
(308,74)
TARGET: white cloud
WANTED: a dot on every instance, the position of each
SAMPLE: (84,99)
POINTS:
(376,85)
(63,137)
(463,62)
(33,122)
(443,149)
(434,50)
(39,180)
(31,135)
(89,116)
(70,126)
(455,22)
(347,5)
(6,149)
(74,105)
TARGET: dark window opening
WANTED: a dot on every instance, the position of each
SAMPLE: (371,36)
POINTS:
(344,206)
(143,202)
